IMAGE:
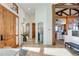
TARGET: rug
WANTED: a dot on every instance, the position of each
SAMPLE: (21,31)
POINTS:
(57,52)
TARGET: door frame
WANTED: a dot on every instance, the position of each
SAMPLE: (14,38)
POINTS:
(40,26)
(54,6)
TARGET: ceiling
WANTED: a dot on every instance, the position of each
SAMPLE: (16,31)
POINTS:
(29,8)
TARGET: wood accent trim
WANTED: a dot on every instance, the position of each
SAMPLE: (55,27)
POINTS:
(64,16)
(16,7)
(70,12)
(53,20)
(67,24)
(65,13)
(66,6)
(62,10)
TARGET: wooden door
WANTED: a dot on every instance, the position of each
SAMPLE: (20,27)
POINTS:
(7,28)
(1,21)
(33,30)
(10,29)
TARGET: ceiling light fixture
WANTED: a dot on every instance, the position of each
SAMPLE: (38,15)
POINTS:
(29,8)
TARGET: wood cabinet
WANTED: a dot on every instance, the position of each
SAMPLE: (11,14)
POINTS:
(8,27)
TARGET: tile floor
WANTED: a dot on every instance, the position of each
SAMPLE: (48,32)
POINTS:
(41,46)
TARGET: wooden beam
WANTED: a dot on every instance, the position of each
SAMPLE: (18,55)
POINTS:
(65,13)
(70,12)
(78,13)
(66,6)
(75,13)
(62,10)
(76,10)
(59,14)
(53,28)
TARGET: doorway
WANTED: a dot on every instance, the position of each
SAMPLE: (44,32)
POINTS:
(60,30)
(63,11)
(28,30)
(40,33)
(33,32)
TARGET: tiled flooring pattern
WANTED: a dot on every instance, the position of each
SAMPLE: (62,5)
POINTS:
(59,44)
(41,46)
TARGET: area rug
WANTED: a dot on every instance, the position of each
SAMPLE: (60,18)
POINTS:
(57,51)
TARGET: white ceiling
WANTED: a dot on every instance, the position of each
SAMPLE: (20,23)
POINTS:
(29,8)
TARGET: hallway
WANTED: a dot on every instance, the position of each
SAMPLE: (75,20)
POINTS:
(30,43)
(34,49)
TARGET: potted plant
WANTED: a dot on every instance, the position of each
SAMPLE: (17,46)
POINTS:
(24,36)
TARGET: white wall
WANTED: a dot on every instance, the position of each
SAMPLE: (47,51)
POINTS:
(21,17)
(48,26)
(40,16)
(17,32)
(44,14)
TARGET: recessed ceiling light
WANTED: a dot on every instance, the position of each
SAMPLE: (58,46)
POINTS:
(29,8)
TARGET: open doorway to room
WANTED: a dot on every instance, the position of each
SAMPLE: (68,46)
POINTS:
(33,32)
(64,17)
(60,28)
(28,31)
(40,33)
